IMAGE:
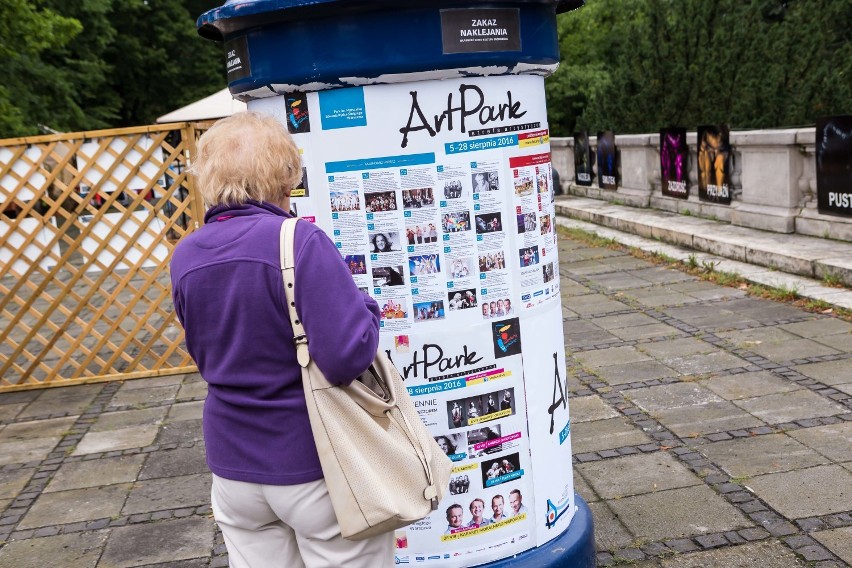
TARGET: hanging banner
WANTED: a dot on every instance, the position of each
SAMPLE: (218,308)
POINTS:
(439,197)
(834,165)
(714,164)
(607,161)
(674,154)
(583,159)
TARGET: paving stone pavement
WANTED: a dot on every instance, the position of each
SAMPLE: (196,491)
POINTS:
(710,429)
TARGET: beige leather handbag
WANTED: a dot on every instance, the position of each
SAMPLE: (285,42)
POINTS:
(382,467)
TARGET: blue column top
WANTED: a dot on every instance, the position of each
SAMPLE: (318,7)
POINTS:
(281,46)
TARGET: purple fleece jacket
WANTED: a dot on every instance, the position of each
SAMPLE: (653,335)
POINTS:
(229,296)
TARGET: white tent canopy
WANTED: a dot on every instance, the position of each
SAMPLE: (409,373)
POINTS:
(217,105)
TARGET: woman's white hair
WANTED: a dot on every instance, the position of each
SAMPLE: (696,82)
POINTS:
(246,156)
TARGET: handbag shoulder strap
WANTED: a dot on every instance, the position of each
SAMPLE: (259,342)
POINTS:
(288,274)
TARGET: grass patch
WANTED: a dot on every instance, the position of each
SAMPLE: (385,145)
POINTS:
(832,280)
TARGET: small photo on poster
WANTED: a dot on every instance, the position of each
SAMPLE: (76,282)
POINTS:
(427,311)
(674,153)
(607,160)
(488,223)
(501,470)
(385,242)
(424,264)
(401,343)
(461,299)
(298,119)
(418,198)
(393,310)
(459,484)
(506,335)
(301,190)
(388,276)
(546,224)
(543,179)
(524,184)
(483,441)
(453,445)
(473,410)
(548,272)
(526,222)
(714,164)
(528,256)
(456,222)
(460,268)
(344,201)
(492,261)
(356,263)
(485,181)
(497,308)
(453,189)
(583,159)
(418,234)
(380,201)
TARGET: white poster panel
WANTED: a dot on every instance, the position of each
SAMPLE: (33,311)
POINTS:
(439,197)
(549,424)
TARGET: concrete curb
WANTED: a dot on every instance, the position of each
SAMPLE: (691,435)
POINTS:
(784,261)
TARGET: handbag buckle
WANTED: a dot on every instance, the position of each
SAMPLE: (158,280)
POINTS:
(299,339)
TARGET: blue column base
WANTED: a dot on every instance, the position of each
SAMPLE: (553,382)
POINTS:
(575,548)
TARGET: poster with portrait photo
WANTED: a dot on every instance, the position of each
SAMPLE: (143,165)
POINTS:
(418,198)
(382,242)
(583,159)
(460,268)
(418,233)
(528,256)
(459,484)
(524,184)
(393,309)
(461,299)
(546,224)
(607,160)
(714,164)
(388,276)
(344,201)
(456,222)
(492,261)
(379,201)
(481,408)
(488,223)
(298,118)
(424,264)
(429,311)
(502,469)
(356,263)
(527,222)
(548,272)
(834,165)
(453,445)
(485,181)
(454,189)
(496,308)
(674,155)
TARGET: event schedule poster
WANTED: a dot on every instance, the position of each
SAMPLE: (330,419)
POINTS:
(834,165)
(582,159)
(714,164)
(674,154)
(607,160)
(439,197)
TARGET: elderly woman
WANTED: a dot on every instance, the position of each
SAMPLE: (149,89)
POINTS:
(268,496)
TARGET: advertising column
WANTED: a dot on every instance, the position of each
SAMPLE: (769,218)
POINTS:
(439,197)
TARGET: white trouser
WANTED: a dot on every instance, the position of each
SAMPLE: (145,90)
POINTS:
(289,526)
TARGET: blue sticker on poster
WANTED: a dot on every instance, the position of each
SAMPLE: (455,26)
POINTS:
(342,108)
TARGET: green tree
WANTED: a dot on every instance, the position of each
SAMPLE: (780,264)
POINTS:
(26,31)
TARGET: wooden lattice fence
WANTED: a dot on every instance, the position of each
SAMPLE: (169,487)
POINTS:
(88,222)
